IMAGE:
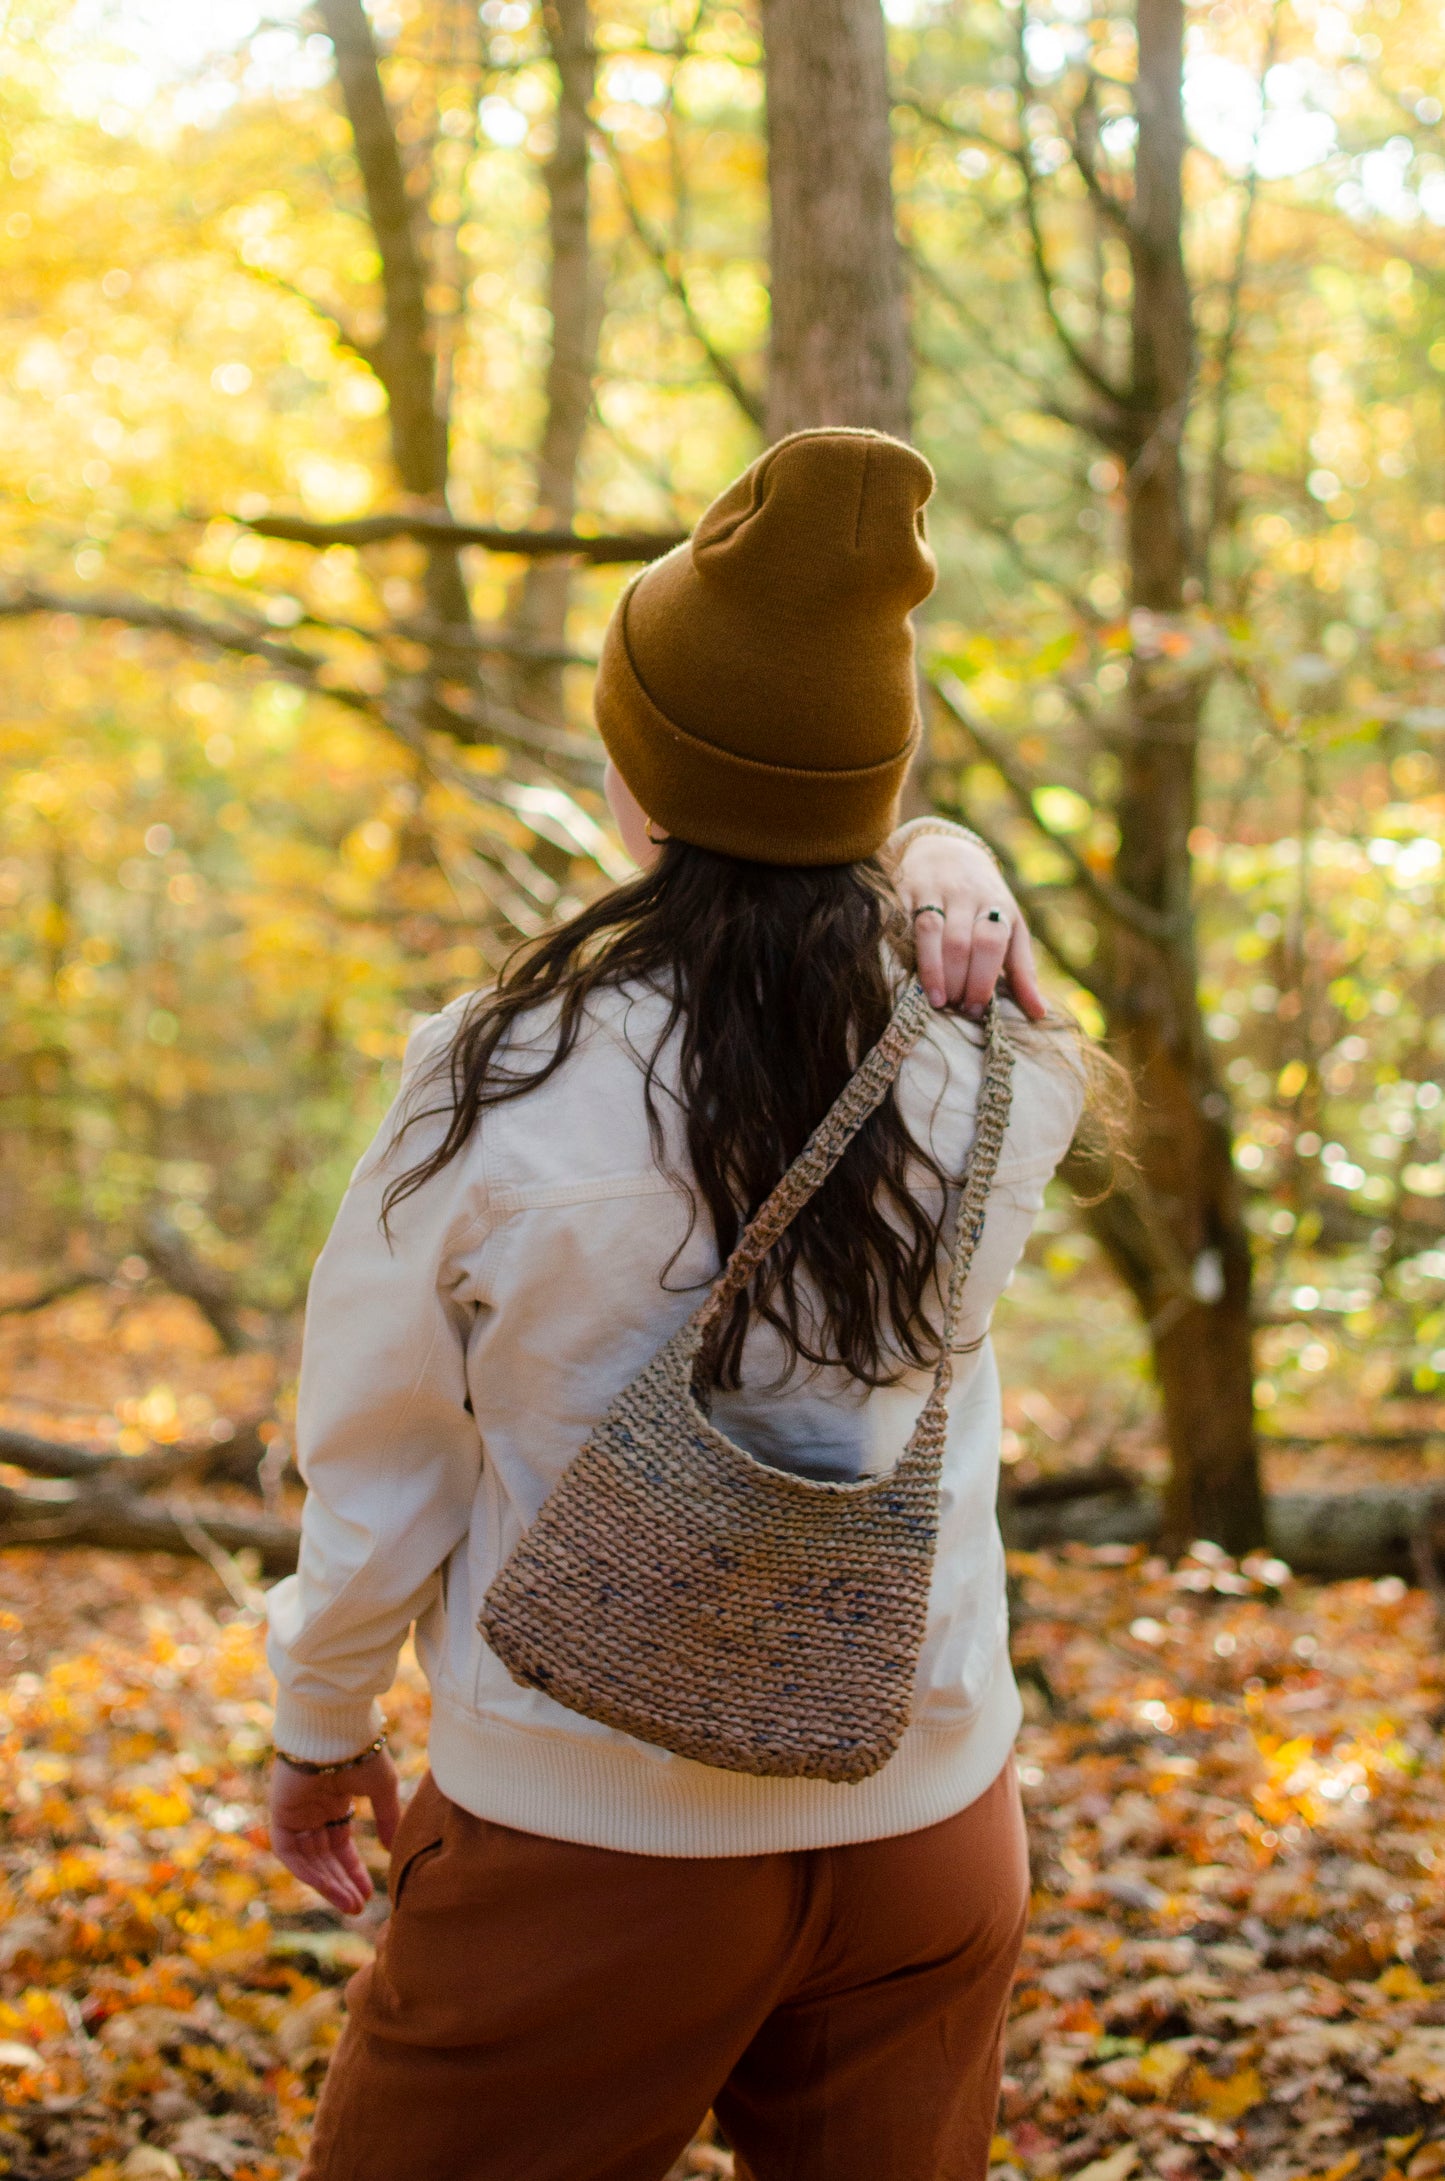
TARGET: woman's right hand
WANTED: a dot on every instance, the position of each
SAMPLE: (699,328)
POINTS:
(311,1825)
(968,929)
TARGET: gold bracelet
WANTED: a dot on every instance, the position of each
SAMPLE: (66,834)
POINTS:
(342,1764)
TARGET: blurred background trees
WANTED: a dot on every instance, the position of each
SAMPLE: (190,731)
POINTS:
(1163,291)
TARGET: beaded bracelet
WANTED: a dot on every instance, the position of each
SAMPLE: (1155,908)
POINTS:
(342,1764)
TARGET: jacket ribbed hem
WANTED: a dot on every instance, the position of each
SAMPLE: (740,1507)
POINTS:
(609,1793)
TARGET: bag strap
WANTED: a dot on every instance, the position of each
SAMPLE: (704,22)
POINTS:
(860,1098)
(991,1119)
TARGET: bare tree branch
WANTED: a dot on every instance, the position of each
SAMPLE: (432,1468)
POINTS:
(53,1291)
(486,641)
(429,527)
(1082,362)
(1218,473)
(909,102)
(348,337)
(1079,603)
(723,368)
(473,722)
(1045,399)
(574,300)
(245,640)
(1083,134)
(470,720)
(1111,900)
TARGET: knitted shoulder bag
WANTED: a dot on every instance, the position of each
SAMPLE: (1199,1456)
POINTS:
(678,1589)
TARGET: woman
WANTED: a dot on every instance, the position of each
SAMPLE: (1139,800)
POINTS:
(595,1938)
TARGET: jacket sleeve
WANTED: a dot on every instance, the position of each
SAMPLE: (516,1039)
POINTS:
(385,1441)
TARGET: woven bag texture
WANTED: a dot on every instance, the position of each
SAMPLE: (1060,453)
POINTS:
(676,1588)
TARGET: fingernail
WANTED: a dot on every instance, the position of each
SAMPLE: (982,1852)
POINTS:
(936,995)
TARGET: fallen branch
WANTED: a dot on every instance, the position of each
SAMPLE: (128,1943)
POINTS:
(1403,1435)
(55,1291)
(235,1460)
(96,1497)
(121,1522)
(1384,1530)
(186,1273)
(1331,1534)
(1070,1484)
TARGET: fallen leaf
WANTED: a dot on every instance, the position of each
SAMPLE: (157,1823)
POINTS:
(210,2144)
(336,1949)
(301,2033)
(1226,2097)
(1420,2059)
(1080,2019)
(148,2162)
(1400,1981)
(1161,2067)
(1113,2168)
(138,2032)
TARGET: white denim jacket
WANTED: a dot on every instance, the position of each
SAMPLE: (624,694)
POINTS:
(450,1376)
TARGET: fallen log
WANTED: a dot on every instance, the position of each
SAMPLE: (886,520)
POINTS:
(1104,1480)
(1378,1530)
(123,1522)
(88,1496)
(1383,1530)
(235,1460)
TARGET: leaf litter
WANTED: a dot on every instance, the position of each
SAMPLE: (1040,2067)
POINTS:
(1235,1967)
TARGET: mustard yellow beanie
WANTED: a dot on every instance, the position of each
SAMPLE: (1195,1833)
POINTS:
(756,689)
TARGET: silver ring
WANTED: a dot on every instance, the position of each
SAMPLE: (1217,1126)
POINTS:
(993,916)
(327,1824)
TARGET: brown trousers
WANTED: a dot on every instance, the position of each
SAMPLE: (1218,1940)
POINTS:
(539,2011)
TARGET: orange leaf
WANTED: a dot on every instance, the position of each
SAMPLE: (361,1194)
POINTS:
(1225,2097)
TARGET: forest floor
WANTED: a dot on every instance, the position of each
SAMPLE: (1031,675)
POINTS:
(1237,1956)
(1235,1784)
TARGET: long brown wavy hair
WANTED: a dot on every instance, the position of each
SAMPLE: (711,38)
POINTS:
(779,981)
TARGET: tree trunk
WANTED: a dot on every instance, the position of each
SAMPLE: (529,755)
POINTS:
(839,346)
(1192,1279)
(541,617)
(404,359)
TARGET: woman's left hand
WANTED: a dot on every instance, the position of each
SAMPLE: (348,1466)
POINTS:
(967,928)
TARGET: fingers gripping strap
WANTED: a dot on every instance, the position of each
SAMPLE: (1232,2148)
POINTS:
(861,1097)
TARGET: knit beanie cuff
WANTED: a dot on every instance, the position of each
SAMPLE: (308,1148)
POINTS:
(739,806)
